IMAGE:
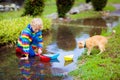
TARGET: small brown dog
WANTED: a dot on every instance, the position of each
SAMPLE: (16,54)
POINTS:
(97,40)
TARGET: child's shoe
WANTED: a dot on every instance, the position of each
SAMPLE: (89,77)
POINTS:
(24,57)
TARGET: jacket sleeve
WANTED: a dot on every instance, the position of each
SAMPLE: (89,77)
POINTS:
(40,40)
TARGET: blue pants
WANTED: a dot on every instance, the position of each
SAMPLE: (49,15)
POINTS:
(31,52)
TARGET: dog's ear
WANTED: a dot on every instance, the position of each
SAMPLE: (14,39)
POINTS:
(80,42)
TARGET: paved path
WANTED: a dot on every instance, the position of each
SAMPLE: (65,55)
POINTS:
(117,6)
(117,12)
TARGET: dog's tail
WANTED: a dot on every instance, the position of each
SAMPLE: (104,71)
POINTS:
(113,32)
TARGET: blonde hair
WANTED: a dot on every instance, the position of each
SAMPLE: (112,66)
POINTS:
(37,22)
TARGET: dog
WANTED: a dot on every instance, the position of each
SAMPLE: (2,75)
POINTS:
(95,41)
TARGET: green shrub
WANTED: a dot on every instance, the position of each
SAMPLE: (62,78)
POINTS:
(63,6)
(87,1)
(33,7)
(98,5)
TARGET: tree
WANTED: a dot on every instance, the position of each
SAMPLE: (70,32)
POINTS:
(63,6)
(33,7)
(98,5)
(87,1)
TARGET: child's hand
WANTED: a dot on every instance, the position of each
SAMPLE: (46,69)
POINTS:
(39,51)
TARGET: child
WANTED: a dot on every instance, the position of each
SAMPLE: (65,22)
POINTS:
(30,39)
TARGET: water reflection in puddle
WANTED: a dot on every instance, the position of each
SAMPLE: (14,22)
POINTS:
(34,69)
(63,40)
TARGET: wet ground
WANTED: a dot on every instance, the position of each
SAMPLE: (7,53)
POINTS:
(63,40)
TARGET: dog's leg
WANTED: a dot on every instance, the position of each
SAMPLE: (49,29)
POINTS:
(89,51)
(101,49)
(100,52)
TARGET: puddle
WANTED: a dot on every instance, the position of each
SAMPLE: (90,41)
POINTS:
(63,40)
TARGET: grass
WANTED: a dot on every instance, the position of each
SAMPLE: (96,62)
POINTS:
(86,14)
(11,14)
(113,1)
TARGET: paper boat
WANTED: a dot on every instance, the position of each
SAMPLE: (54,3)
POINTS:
(68,57)
(52,56)
(54,60)
(44,58)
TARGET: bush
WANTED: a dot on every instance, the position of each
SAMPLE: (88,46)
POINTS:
(87,1)
(63,6)
(98,5)
(33,7)
(11,29)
